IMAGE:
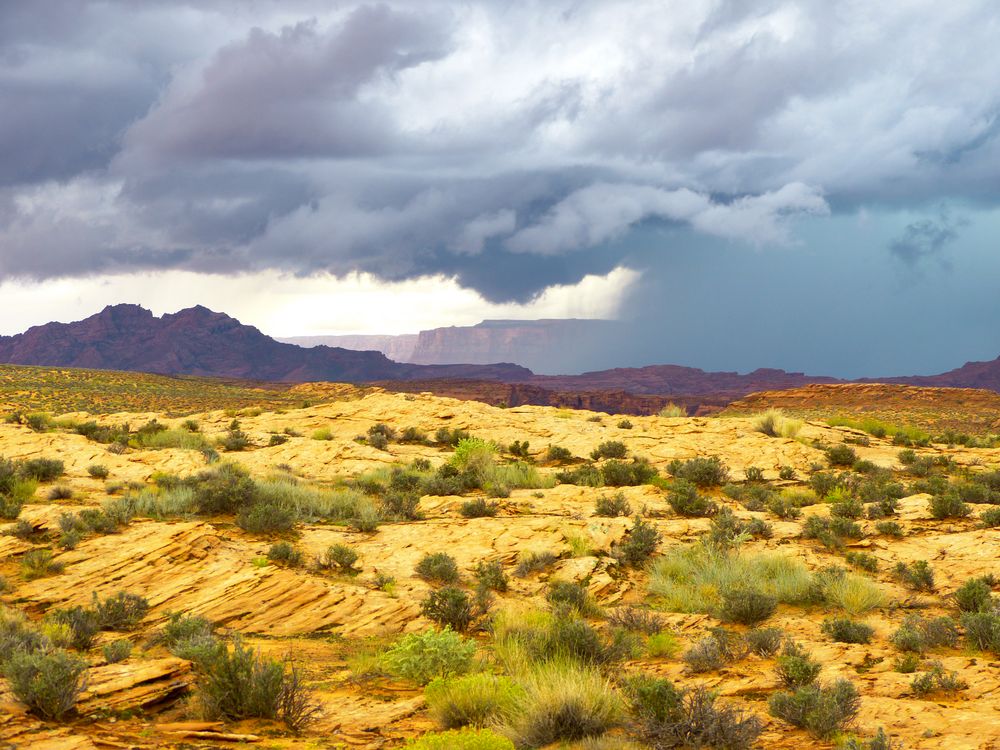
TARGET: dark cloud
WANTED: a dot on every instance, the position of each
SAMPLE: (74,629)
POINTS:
(927,239)
(512,145)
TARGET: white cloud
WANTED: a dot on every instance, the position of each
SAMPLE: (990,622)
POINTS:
(284,305)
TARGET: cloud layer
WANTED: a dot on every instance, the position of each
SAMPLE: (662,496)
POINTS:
(511,147)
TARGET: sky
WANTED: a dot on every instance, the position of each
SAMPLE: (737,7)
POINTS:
(811,185)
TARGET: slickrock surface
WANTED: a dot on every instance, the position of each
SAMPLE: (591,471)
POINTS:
(210,567)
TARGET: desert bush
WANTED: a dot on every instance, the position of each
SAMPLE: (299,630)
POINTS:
(639,544)
(120,612)
(795,667)
(636,620)
(774,423)
(615,473)
(611,506)
(478,700)
(22,529)
(727,530)
(764,642)
(982,630)
(48,683)
(850,507)
(523,638)
(692,578)
(266,518)
(937,681)
(450,607)
(855,594)
(845,630)
(116,651)
(422,657)
(975,595)
(841,455)
(890,528)
(916,575)
(609,449)
(990,518)
(784,506)
(223,489)
(586,475)
(533,562)
(285,554)
(907,663)
(667,716)
(176,502)
(948,505)
(624,424)
(714,651)
(42,469)
(241,683)
(341,556)
(478,508)
(569,595)
(491,576)
(746,606)
(438,567)
(862,560)
(919,634)
(83,623)
(830,532)
(557,454)
(564,701)
(704,472)
(685,500)
(98,471)
(39,563)
(821,710)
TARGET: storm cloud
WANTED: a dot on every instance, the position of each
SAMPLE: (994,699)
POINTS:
(511,146)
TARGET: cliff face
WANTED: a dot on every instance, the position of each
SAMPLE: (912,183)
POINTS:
(397,348)
(198,341)
(539,345)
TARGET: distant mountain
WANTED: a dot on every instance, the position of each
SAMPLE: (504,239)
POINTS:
(397,348)
(547,345)
(198,341)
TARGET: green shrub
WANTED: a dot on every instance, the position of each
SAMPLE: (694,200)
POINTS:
(639,544)
(917,576)
(556,454)
(285,554)
(727,530)
(784,506)
(948,505)
(479,508)
(120,612)
(704,472)
(862,560)
(569,594)
(533,562)
(48,683)
(98,471)
(671,717)
(611,506)
(990,518)
(341,556)
(907,663)
(821,710)
(975,595)
(490,575)
(450,607)
(438,567)
(116,651)
(42,469)
(714,651)
(241,684)
(476,699)
(850,507)
(746,606)
(764,642)
(845,630)
(266,518)
(609,449)
(83,623)
(841,455)
(685,500)
(937,681)
(889,528)
(616,473)
(39,563)
(183,632)
(918,634)
(564,701)
(795,667)
(224,489)
(422,657)
(23,529)
(636,620)
(982,630)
